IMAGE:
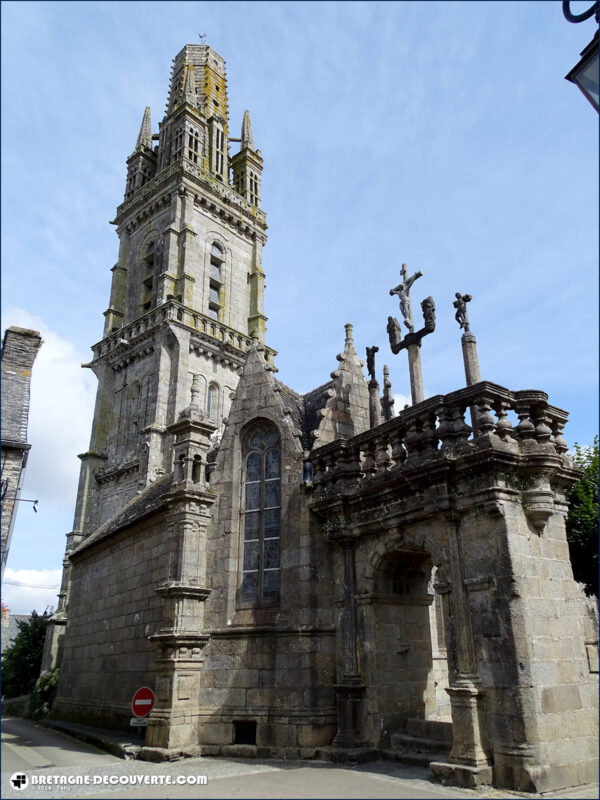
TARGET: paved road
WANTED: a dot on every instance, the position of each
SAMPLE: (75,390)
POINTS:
(43,754)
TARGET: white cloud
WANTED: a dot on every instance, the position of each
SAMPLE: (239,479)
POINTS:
(27,590)
(401,400)
(61,408)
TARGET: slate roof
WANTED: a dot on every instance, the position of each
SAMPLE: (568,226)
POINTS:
(305,408)
(10,629)
(151,499)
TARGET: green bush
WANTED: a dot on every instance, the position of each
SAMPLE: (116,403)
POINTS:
(43,693)
(582,521)
(22,660)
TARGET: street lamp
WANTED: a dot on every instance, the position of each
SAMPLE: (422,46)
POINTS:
(585,73)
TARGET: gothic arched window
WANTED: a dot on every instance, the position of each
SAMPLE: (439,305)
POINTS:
(261,517)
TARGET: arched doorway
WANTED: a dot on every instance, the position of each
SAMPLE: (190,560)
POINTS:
(406,664)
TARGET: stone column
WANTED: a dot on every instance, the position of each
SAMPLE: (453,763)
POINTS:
(415,372)
(374,404)
(472,374)
(471,361)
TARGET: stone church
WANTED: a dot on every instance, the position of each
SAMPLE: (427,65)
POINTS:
(307,575)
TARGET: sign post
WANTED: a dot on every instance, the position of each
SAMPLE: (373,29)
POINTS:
(141,705)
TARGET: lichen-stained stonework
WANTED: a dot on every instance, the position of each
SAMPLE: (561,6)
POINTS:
(291,576)
(19,349)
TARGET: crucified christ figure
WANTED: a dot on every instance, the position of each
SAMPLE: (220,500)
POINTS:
(402,290)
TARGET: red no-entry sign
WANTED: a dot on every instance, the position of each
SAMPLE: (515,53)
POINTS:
(142,702)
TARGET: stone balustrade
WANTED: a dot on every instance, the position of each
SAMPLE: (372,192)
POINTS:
(437,427)
(172,311)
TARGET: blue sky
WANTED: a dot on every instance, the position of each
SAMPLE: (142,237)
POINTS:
(442,135)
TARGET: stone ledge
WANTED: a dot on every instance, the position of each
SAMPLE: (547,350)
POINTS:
(169,753)
(461,774)
(347,755)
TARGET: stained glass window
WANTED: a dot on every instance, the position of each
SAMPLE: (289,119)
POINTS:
(261,516)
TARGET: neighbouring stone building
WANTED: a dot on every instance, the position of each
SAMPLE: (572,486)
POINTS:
(307,575)
(19,349)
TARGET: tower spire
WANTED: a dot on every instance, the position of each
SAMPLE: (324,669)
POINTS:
(189,86)
(145,135)
(247,140)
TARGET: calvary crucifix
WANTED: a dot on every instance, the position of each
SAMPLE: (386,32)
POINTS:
(402,290)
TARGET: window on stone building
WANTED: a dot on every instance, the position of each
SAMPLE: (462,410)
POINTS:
(212,401)
(145,418)
(219,153)
(261,517)
(177,147)
(193,145)
(133,404)
(148,278)
(215,288)
(253,189)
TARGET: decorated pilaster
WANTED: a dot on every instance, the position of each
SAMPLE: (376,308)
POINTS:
(468,763)
(173,724)
(350,687)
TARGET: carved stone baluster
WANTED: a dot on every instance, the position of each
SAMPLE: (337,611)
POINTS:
(485,422)
(349,468)
(430,436)
(318,463)
(558,423)
(382,454)
(540,417)
(413,441)
(369,466)
(398,450)
(525,429)
(444,429)
(504,428)
(330,471)
(460,429)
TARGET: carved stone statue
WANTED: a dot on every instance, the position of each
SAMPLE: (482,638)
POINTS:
(371,361)
(402,291)
(395,334)
(460,304)
(428,308)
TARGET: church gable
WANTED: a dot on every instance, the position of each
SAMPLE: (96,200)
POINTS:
(346,412)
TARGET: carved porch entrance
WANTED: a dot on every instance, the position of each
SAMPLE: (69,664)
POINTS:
(485,507)
(403,643)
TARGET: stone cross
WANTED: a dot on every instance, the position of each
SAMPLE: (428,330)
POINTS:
(412,340)
(402,290)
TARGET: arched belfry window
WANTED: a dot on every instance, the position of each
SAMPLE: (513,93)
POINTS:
(217,257)
(261,517)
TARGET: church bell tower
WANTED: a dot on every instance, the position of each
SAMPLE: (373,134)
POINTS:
(186,298)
